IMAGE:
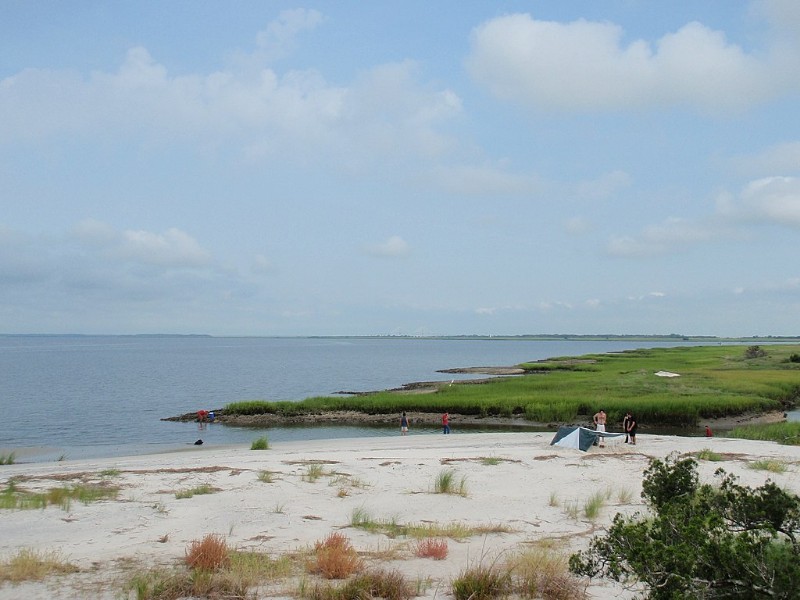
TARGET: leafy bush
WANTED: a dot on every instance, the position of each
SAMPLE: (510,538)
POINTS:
(701,541)
(755,352)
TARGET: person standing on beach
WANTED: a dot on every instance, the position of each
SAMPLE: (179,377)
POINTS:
(631,428)
(600,424)
(625,426)
(403,424)
(446,423)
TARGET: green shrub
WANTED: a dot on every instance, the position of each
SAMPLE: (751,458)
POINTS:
(261,443)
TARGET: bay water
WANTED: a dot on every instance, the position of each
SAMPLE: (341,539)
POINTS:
(70,397)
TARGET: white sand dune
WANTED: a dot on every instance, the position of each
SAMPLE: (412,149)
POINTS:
(391,479)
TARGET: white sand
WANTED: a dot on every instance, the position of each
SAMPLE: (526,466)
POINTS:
(391,479)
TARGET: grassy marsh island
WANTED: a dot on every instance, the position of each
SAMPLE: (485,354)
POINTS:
(713,382)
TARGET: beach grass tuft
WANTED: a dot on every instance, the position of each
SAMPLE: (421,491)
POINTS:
(261,443)
(709,455)
(543,572)
(767,464)
(15,498)
(446,482)
(32,565)
(593,505)
(313,472)
(7,459)
(198,490)
(266,476)
(481,582)
(375,583)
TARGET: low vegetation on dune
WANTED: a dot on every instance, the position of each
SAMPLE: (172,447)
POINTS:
(714,381)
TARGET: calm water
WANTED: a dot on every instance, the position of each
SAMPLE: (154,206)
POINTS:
(83,397)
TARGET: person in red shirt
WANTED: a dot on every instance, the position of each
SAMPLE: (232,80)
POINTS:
(446,423)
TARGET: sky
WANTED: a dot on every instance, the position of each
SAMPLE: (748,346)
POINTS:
(403,167)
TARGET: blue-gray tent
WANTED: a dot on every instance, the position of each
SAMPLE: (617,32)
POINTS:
(579,438)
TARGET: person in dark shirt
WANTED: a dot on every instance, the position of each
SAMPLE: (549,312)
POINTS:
(631,428)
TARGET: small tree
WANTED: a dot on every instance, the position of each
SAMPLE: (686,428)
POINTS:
(701,541)
(755,352)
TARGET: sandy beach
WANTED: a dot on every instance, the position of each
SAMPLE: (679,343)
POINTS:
(516,480)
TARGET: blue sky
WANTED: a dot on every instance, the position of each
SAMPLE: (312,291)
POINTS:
(414,168)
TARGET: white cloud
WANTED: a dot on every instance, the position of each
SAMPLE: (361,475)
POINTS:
(484,180)
(771,199)
(259,113)
(781,158)
(604,186)
(577,225)
(277,39)
(393,247)
(585,66)
(171,248)
(261,264)
(673,235)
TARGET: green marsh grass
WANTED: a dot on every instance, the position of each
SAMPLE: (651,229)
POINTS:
(7,459)
(715,381)
(787,432)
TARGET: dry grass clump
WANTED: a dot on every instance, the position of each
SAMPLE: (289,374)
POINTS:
(766,464)
(543,572)
(481,582)
(376,583)
(209,554)
(335,557)
(31,565)
(435,548)
(538,573)
(242,572)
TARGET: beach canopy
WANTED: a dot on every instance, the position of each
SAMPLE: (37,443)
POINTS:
(579,438)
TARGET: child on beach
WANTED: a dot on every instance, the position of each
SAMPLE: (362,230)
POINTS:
(403,424)
(446,423)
